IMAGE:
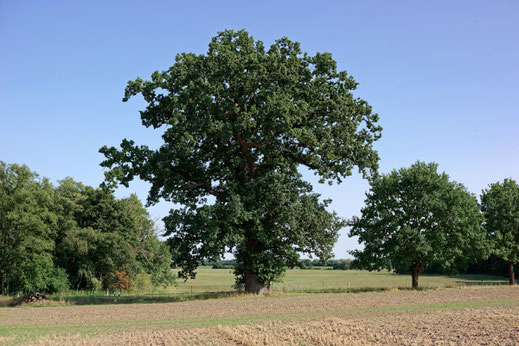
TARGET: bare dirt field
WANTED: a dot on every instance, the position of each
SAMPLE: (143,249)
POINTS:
(460,316)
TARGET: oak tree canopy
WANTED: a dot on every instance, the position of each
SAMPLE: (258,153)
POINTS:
(238,122)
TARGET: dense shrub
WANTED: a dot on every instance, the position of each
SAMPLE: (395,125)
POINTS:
(58,281)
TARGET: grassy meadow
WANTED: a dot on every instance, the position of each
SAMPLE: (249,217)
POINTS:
(218,283)
(221,280)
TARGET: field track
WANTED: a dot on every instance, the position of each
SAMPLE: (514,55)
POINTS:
(461,316)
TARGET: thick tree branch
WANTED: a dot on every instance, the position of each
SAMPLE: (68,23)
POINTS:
(190,186)
(194,185)
(300,160)
(244,148)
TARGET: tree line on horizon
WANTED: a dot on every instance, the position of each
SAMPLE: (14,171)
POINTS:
(72,236)
(306,263)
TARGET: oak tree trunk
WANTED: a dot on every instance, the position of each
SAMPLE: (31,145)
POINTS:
(251,282)
(253,285)
(511,277)
(414,275)
(416,269)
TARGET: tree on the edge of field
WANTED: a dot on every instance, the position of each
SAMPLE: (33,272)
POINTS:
(238,122)
(500,205)
(416,216)
(28,225)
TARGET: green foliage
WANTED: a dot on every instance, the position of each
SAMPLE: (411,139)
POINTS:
(492,265)
(28,226)
(103,235)
(223,264)
(238,122)
(159,264)
(500,204)
(58,281)
(335,264)
(416,216)
(73,234)
(143,282)
(139,231)
(93,254)
(96,284)
(342,264)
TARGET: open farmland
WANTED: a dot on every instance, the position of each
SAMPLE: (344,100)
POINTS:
(221,280)
(472,316)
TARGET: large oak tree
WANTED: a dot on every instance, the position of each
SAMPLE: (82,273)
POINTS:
(416,216)
(238,122)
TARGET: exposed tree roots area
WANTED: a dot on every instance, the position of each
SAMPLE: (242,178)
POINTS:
(460,316)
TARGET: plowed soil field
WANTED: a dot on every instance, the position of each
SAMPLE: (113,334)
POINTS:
(447,316)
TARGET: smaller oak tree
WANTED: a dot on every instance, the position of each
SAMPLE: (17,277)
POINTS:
(500,205)
(416,216)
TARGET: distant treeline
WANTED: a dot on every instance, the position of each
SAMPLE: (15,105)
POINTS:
(339,264)
(493,266)
(54,238)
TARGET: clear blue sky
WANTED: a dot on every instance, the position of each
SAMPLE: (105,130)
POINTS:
(443,75)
